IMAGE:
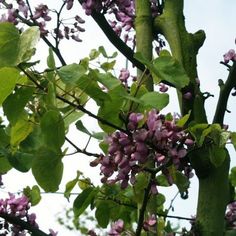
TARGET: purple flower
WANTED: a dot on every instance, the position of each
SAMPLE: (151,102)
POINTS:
(187,96)
(149,223)
(124,75)
(230,55)
(69,4)
(41,11)
(134,119)
(116,228)
(22,7)
(157,139)
(163,88)
(92,233)
(52,232)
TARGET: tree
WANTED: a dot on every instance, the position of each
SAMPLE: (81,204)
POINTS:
(141,148)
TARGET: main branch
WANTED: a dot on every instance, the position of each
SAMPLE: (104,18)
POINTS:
(184,47)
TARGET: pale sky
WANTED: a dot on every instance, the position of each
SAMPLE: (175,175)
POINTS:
(218,19)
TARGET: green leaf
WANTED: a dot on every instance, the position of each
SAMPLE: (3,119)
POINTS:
(182,121)
(155,100)
(71,117)
(232,176)
(224,138)
(102,214)
(162,181)
(53,130)
(139,187)
(214,132)
(133,99)
(169,69)
(47,169)
(107,80)
(104,146)
(230,233)
(5,166)
(70,185)
(166,68)
(197,132)
(94,53)
(28,41)
(33,141)
(83,200)
(21,161)
(50,98)
(8,79)
(137,90)
(233,139)
(181,181)
(169,117)
(20,130)
(217,155)
(98,135)
(15,103)
(9,45)
(70,74)
(106,66)
(4,138)
(80,126)
(165,53)
(74,75)
(84,183)
(50,59)
(89,85)
(160,199)
(112,106)
(33,194)
(102,50)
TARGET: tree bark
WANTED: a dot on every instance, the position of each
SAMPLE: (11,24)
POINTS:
(213,197)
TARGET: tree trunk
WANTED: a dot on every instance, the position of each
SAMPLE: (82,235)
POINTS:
(213,198)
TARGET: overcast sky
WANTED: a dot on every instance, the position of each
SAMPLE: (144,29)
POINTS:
(218,19)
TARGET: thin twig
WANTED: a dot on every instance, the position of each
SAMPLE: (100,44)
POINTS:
(57,39)
(176,217)
(80,150)
(172,201)
(118,201)
(89,139)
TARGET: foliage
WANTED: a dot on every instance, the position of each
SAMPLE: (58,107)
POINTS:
(141,149)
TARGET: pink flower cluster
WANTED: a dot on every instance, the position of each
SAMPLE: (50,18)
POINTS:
(40,17)
(17,207)
(230,216)
(124,76)
(149,223)
(116,228)
(71,32)
(121,12)
(230,56)
(157,140)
